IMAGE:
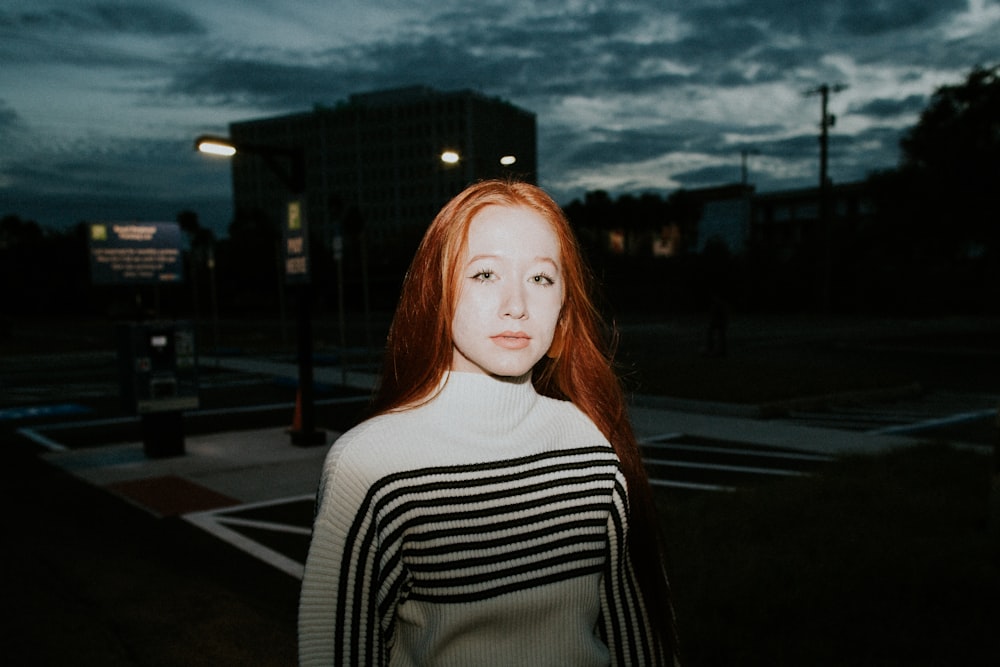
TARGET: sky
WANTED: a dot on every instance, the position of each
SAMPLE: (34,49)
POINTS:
(100,101)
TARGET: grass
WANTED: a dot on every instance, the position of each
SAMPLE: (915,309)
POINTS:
(884,560)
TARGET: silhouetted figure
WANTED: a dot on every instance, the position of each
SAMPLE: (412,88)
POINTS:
(718,322)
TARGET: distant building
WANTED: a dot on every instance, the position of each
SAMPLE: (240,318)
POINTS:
(375,161)
(782,222)
(737,217)
(725,216)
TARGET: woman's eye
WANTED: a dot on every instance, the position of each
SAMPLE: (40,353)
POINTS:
(542,279)
(485,276)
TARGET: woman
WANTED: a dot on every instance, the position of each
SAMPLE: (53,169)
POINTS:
(494,511)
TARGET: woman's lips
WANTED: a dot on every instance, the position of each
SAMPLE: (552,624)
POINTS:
(512,340)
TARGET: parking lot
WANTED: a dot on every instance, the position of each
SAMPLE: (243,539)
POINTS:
(110,539)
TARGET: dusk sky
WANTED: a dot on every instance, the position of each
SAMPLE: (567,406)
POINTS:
(100,101)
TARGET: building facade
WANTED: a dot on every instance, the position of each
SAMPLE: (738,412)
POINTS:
(785,221)
(739,218)
(373,167)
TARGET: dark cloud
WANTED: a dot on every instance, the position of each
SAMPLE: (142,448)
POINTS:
(138,179)
(84,36)
(121,167)
(709,176)
(866,18)
(618,148)
(9,120)
(814,20)
(891,108)
(256,83)
(125,18)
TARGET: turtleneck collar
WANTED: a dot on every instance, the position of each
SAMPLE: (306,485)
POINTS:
(484,403)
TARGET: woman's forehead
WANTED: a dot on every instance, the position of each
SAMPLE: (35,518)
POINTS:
(512,229)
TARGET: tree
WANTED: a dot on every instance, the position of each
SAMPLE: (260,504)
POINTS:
(249,260)
(952,156)
(936,239)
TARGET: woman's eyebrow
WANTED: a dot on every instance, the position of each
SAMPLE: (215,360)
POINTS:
(540,259)
(481,257)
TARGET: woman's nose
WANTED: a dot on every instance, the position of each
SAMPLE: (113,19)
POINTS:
(514,305)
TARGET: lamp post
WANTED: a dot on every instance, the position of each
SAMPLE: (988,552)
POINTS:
(289,165)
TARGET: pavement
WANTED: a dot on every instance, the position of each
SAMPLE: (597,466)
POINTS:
(260,465)
(119,561)
(112,557)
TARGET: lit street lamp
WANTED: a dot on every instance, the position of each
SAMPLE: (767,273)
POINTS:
(289,165)
(215,146)
(453,157)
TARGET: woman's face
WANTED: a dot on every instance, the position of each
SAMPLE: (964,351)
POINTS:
(510,293)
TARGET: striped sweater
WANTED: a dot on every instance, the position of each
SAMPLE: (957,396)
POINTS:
(486,527)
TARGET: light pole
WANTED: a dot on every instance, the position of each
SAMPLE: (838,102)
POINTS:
(289,165)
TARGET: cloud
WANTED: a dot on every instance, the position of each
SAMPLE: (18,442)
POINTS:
(252,83)
(93,35)
(645,95)
(103,18)
(866,18)
(9,119)
(891,108)
(710,175)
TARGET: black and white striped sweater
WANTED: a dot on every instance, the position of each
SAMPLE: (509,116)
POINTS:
(487,527)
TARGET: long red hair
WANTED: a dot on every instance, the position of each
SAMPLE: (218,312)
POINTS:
(578,369)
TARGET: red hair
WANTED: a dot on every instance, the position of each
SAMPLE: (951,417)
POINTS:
(578,369)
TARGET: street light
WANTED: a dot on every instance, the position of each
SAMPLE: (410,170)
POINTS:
(453,157)
(289,165)
(215,146)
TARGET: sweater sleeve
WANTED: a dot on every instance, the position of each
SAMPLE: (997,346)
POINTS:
(346,607)
(625,625)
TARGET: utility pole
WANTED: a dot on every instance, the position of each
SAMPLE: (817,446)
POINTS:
(827,120)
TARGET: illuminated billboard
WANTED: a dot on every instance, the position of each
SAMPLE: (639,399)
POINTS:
(135,253)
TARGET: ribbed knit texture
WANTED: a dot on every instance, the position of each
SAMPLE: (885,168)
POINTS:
(487,527)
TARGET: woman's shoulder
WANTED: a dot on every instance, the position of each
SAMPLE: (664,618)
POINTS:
(567,413)
(376,445)
(380,431)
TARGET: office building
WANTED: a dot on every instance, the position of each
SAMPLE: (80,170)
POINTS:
(373,163)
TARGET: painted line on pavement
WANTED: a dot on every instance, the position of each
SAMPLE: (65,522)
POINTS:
(215,522)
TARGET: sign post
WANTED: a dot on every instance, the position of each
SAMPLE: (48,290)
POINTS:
(157,360)
(297,273)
